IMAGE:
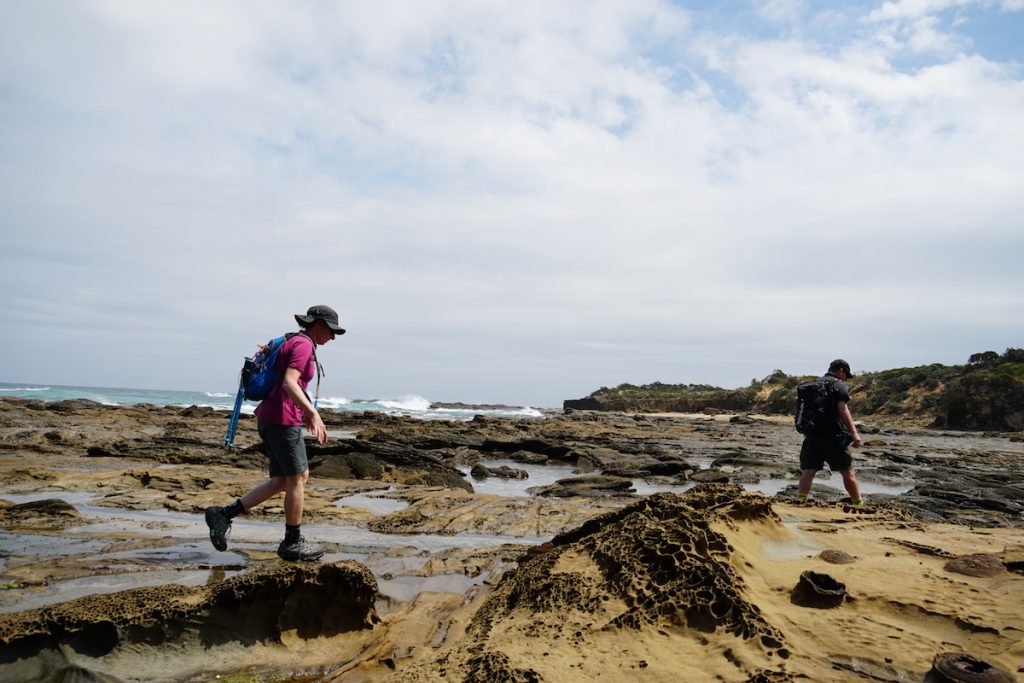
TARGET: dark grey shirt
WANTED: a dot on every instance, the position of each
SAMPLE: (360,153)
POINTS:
(838,391)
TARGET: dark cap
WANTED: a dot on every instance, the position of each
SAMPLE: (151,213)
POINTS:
(325,313)
(840,364)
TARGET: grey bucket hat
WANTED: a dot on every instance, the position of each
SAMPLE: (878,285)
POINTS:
(840,364)
(325,313)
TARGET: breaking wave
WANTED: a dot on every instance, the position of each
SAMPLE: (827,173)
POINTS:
(411,403)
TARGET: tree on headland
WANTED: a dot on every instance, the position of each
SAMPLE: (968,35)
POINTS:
(984,359)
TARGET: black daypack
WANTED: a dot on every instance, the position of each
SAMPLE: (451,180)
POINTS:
(814,413)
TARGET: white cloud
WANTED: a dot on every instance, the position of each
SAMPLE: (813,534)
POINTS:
(781,11)
(456,177)
(914,9)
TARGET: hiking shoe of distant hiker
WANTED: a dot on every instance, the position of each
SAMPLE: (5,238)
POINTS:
(220,527)
(299,550)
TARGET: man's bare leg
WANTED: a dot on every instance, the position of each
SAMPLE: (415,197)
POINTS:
(852,487)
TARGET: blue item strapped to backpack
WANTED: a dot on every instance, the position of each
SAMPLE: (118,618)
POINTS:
(259,375)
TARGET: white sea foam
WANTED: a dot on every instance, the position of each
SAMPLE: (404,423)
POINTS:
(527,411)
(333,402)
(409,402)
(412,405)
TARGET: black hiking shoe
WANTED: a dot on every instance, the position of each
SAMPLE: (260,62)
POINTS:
(220,527)
(299,550)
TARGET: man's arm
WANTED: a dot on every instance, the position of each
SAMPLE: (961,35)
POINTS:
(847,418)
(310,417)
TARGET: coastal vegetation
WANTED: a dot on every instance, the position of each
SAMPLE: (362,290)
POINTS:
(986,393)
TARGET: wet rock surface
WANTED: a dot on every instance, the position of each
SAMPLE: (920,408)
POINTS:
(961,477)
(481,471)
(51,513)
(593,486)
(383,461)
(573,577)
(312,601)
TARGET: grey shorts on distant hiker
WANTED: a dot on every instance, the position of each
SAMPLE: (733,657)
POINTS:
(819,449)
(285,448)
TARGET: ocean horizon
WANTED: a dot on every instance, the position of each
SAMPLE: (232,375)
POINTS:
(411,405)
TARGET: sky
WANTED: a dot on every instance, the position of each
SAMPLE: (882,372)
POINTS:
(508,202)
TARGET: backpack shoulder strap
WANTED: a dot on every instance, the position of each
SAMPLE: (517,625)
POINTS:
(319,368)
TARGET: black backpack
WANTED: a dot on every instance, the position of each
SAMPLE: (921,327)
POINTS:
(814,413)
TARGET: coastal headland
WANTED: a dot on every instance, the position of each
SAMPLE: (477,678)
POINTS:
(984,394)
(620,546)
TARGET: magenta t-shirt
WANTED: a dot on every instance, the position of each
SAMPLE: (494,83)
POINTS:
(278,408)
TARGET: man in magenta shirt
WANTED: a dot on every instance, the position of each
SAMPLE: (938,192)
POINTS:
(280,418)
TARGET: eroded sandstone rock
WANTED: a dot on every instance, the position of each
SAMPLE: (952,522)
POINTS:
(657,561)
(976,564)
(51,513)
(481,471)
(309,600)
(598,486)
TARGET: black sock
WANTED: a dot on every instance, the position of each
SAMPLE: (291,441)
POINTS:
(235,509)
(291,533)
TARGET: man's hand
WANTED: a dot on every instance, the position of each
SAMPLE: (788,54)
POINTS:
(315,425)
(847,419)
(310,418)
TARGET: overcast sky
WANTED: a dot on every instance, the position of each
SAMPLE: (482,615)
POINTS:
(513,202)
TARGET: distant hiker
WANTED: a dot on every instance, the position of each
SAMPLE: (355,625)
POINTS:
(280,419)
(829,444)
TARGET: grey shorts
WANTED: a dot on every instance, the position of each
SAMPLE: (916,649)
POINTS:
(285,448)
(819,449)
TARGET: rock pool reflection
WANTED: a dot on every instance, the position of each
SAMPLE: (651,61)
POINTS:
(374,502)
(543,475)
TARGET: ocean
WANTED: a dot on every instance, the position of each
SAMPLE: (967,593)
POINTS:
(411,405)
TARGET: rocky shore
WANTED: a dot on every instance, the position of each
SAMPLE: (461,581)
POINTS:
(570,547)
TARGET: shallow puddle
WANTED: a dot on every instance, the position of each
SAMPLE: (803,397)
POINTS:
(175,546)
(770,487)
(405,588)
(190,554)
(194,563)
(543,475)
(161,523)
(798,547)
(19,599)
(31,547)
(373,502)
(538,475)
